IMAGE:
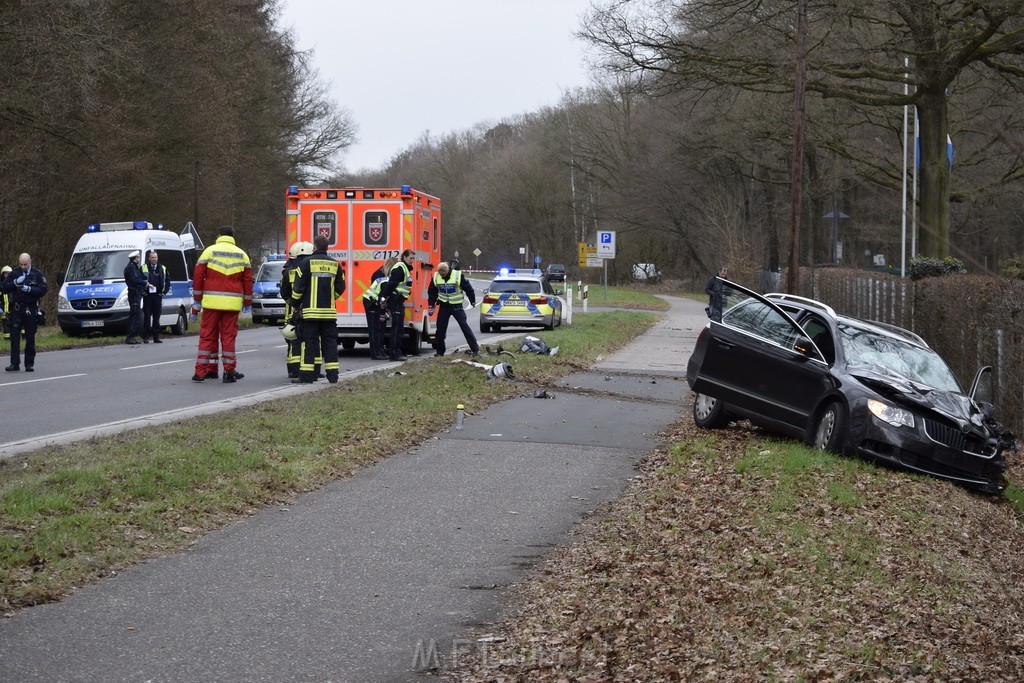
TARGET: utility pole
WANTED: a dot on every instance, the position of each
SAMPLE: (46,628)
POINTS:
(796,178)
(195,198)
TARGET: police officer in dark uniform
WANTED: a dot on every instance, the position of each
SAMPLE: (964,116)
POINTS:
(395,291)
(136,283)
(26,286)
(376,309)
(319,280)
(449,288)
(157,285)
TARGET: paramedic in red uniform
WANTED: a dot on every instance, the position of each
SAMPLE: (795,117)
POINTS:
(222,288)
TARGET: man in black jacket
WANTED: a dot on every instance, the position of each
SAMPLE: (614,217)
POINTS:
(136,283)
(26,286)
(449,288)
(716,294)
(157,284)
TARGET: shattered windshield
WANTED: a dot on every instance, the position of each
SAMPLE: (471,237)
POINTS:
(861,346)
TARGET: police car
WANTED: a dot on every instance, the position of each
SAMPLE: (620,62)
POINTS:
(520,299)
(267,304)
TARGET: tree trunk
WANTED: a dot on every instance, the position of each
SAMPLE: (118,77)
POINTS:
(933,224)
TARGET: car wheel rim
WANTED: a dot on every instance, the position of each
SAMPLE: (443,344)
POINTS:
(825,429)
(705,404)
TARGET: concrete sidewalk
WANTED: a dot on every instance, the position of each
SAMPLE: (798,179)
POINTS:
(377,577)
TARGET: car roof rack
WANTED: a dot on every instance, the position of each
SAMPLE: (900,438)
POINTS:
(782,296)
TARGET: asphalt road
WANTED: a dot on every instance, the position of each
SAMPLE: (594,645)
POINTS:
(100,390)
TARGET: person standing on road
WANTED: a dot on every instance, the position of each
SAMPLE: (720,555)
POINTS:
(157,285)
(5,304)
(293,347)
(449,288)
(716,294)
(319,282)
(375,309)
(222,288)
(135,281)
(395,291)
(26,286)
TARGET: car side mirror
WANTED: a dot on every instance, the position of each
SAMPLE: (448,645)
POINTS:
(804,347)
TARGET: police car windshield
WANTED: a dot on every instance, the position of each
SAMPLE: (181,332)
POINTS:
(270,272)
(516,287)
(98,265)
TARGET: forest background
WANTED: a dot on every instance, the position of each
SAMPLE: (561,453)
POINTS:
(204,111)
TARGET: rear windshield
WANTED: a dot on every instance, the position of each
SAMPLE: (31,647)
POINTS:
(516,287)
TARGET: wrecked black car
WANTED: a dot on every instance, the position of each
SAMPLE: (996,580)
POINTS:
(794,366)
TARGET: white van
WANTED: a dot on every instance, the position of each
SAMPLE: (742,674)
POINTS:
(93,295)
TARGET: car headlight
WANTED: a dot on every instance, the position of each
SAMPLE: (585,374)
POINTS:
(63,304)
(891,414)
(122,299)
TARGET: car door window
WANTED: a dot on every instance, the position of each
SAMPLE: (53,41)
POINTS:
(763,321)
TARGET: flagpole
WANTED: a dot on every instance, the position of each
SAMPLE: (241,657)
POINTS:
(906,90)
(903,239)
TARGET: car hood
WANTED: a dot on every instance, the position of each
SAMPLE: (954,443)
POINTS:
(952,404)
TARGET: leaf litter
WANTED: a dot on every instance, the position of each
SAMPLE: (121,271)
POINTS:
(710,569)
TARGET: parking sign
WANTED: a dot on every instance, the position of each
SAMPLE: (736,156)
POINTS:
(606,244)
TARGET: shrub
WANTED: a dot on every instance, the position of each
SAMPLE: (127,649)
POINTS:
(1013,269)
(923,266)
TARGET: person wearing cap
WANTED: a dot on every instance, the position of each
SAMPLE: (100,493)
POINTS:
(158,283)
(135,281)
(449,288)
(222,288)
(26,286)
(5,305)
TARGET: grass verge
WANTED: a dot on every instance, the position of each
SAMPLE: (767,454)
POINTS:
(76,513)
(737,557)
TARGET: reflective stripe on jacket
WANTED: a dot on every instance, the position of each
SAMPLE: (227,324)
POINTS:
(404,288)
(222,279)
(318,282)
(449,291)
(372,293)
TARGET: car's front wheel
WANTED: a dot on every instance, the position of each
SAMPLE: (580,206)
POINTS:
(830,430)
(708,412)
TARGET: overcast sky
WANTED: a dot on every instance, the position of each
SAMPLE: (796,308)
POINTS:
(404,67)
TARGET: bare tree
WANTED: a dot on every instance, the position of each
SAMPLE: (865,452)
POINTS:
(857,52)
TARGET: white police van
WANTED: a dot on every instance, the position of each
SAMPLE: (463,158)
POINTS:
(93,295)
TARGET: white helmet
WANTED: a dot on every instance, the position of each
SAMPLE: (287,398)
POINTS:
(293,250)
(305,248)
(289,332)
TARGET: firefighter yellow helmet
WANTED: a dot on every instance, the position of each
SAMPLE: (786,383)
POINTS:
(289,332)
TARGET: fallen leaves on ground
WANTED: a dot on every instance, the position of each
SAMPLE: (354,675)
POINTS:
(708,570)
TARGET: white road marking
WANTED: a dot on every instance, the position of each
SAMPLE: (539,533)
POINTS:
(41,379)
(182,360)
